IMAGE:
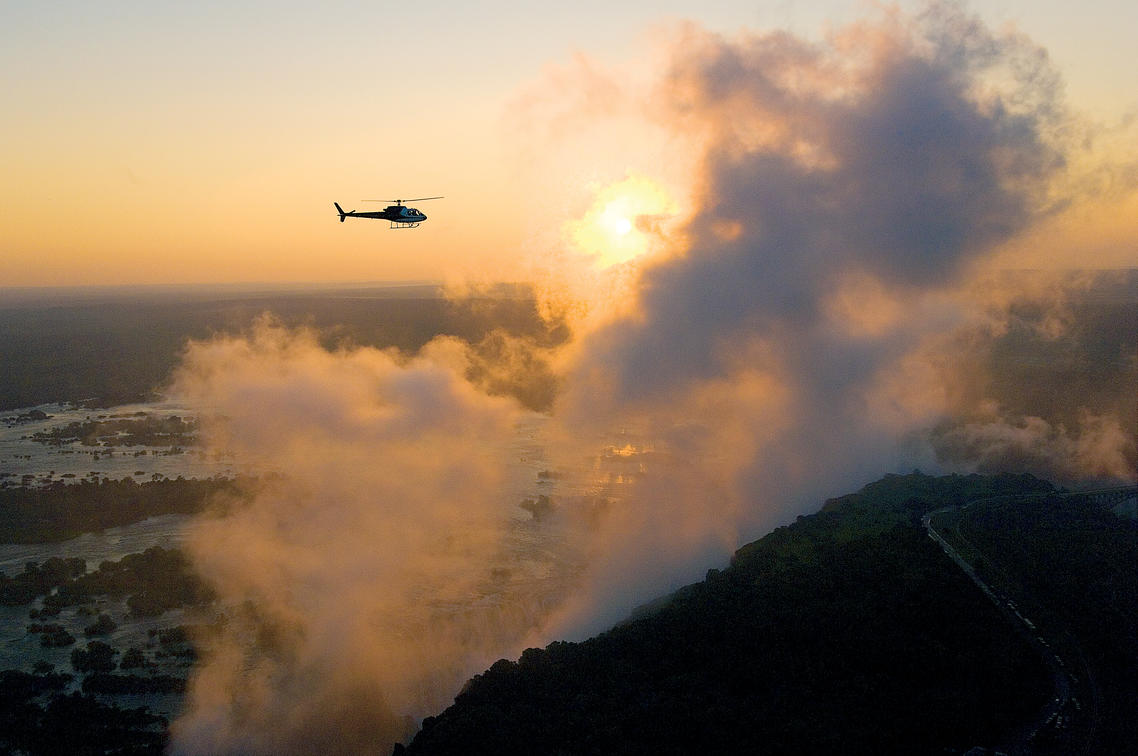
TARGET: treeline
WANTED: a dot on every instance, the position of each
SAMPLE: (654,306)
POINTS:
(76,723)
(39,579)
(60,511)
(152,581)
(908,497)
(98,661)
(846,632)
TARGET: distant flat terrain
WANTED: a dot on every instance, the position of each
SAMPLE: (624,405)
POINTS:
(116,346)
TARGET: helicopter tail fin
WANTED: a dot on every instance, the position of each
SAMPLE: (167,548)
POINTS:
(340,210)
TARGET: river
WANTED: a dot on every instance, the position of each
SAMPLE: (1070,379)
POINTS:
(538,567)
(24,459)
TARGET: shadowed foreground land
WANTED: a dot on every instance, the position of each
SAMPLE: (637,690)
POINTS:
(846,632)
(1072,565)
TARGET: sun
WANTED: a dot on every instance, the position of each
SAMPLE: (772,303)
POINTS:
(623,223)
(615,221)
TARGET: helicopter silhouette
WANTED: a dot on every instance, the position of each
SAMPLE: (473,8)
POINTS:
(398,214)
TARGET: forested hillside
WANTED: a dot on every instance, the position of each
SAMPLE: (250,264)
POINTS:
(846,632)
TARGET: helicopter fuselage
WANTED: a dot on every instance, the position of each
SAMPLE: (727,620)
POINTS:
(396,214)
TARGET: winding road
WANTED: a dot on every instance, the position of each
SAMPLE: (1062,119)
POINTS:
(1068,721)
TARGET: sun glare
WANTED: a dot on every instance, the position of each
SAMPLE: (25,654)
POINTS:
(623,223)
(622,226)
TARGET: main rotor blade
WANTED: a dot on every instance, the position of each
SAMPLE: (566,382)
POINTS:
(404,201)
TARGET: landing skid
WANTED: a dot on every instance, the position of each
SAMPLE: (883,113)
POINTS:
(395,224)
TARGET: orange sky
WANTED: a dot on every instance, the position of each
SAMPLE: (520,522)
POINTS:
(146,144)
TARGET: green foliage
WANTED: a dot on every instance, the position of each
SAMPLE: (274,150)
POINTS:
(179,640)
(917,493)
(173,636)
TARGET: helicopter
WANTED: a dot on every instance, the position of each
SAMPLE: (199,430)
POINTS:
(398,214)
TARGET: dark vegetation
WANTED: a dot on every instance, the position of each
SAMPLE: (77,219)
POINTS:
(1074,567)
(846,632)
(52,635)
(133,658)
(37,716)
(97,657)
(118,348)
(59,511)
(31,416)
(74,723)
(104,625)
(138,430)
(37,713)
(38,579)
(153,581)
(118,685)
(180,641)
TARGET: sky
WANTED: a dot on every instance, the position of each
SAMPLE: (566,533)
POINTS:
(204,143)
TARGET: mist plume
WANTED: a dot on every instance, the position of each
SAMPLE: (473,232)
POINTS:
(850,196)
(388,509)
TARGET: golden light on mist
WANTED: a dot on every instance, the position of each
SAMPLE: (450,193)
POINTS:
(623,223)
(862,307)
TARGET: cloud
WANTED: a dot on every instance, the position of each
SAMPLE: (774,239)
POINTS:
(359,586)
(1098,447)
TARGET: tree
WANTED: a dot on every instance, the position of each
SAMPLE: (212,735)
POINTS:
(98,657)
(132,659)
(104,625)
